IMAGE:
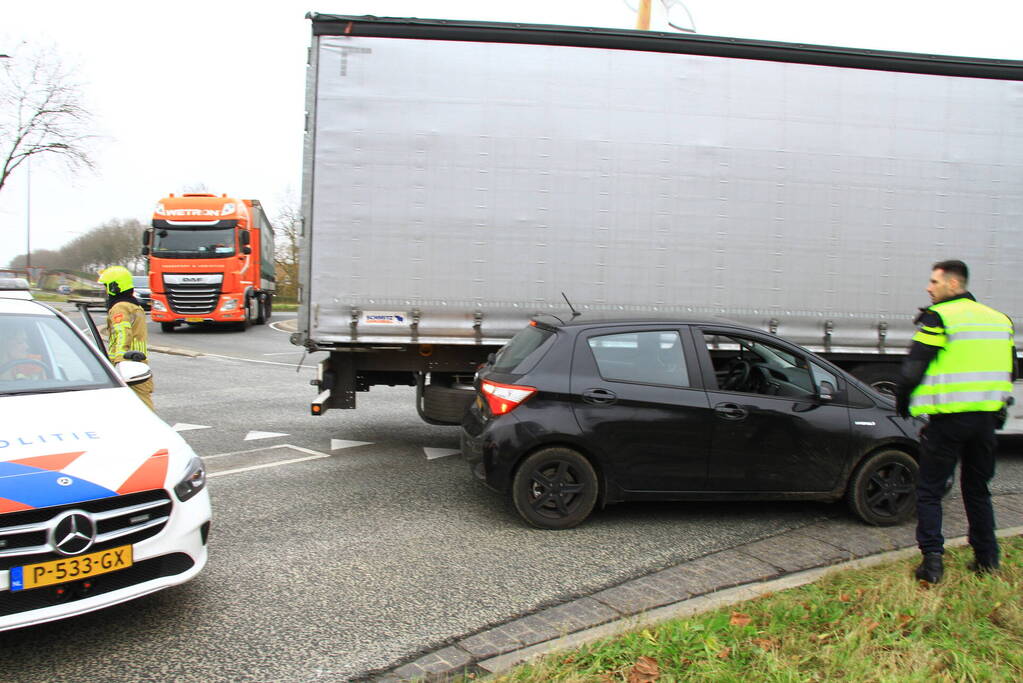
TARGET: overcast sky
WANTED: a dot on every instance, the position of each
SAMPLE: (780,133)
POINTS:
(212,92)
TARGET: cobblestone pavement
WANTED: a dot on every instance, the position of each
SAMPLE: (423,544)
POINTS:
(703,583)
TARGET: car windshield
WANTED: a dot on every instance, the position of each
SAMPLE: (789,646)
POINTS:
(193,243)
(42,354)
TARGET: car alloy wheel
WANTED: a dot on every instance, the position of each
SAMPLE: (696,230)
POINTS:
(555,488)
(882,490)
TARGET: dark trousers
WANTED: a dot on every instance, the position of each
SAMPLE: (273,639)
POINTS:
(970,439)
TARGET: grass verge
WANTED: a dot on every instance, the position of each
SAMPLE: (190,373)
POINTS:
(876,624)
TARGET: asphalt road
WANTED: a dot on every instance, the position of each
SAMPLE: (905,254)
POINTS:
(329,560)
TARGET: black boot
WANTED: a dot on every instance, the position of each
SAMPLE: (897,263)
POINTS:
(978,566)
(931,569)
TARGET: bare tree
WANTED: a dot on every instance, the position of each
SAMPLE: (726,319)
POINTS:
(117,242)
(288,229)
(41,113)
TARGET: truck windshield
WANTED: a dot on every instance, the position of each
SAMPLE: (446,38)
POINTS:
(184,243)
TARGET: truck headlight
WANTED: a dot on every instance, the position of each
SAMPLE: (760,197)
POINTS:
(158,306)
(229,305)
(193,482)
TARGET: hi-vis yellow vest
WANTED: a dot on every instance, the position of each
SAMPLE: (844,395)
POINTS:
(973,370)
(126,323)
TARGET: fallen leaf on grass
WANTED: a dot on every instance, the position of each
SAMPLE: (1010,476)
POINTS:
(871,625)
(740,619)
(844,597)
(645,670)
(765,643)
(724,653)
(821,637)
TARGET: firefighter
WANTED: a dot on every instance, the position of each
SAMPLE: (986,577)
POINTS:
(959,373)
(126,325)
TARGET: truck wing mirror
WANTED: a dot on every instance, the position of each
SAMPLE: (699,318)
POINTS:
(246,249)
(244,236)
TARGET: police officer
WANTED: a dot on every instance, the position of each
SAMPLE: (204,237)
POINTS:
(126,325)
(959,372)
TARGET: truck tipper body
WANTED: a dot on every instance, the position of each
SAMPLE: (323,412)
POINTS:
(211,260)
(460,178)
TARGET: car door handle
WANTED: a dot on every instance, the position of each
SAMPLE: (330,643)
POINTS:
(730,411)
(600,397)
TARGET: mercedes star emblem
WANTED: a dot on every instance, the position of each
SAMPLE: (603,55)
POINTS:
(73,533)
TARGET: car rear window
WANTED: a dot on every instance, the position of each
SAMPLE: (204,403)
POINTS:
(524,350)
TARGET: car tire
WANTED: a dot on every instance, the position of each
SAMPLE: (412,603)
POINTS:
(882,490)
(167,327)
(538,488)
(881,377)
(447,404)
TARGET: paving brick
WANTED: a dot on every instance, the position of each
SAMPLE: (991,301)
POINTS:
(1006,515)
(489,643)
(576,615)
(448,660)
(795,551)
(638,596)
(855,537)
(953,521)
(902,536)
(719,570)
(409,672)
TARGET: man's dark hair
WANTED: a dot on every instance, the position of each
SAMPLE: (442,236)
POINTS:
(957,269)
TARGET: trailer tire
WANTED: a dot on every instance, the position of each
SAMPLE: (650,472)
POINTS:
(881,377)
(261,306)
(447,404)
(268,307)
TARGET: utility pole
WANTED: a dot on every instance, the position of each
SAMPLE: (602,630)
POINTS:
(28,218)
(643,15)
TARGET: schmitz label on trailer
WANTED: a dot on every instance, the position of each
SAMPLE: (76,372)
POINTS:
(385,319)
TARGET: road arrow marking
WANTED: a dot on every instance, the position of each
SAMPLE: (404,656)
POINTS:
(184,427)
(338,444)
(252,436)
(434,453)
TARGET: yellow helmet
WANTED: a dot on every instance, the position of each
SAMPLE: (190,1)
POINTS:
(117,279)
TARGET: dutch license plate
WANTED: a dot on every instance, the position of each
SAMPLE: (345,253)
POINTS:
(193,320)
(70,568)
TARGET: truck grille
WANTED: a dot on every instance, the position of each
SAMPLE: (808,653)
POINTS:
(120,520)
(193,299)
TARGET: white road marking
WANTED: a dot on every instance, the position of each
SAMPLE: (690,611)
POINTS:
(273,326)
(313,455)
(283,353)
(252,436)
(184,427)
(253,360)
(434,453)
(338,444)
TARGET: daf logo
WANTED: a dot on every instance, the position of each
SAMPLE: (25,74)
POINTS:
(191,279)
(64,481)
(74,533)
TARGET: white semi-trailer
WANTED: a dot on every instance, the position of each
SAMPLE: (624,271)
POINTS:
(460,177)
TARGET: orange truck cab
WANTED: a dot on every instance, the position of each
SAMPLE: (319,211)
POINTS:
(211,260)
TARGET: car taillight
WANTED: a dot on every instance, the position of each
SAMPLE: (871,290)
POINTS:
(504,398)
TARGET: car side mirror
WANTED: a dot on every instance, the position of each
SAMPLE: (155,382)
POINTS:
(134,372)
(826,391)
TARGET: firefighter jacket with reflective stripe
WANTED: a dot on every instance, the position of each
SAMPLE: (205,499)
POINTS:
(126,323)
(973,368)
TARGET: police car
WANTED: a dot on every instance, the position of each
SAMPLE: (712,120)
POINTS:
(100,501)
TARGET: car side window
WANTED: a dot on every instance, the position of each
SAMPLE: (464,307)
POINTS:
(822,378)
(751,366)
(653,357)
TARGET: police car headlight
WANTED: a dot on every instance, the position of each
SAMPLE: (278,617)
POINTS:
(193,482)
(229,305)
(158,306)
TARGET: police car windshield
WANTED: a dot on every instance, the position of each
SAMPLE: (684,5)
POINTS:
(193,242)
(41,354)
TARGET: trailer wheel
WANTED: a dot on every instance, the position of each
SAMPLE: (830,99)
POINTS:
(447,404)
(881,377)
(261,306)
(268,307)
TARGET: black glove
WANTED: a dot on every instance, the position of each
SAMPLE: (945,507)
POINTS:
(134,355)
(902,404)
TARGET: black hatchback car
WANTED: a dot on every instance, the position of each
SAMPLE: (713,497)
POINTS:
(573,416)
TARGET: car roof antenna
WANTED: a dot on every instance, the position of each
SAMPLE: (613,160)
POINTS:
(575,313)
